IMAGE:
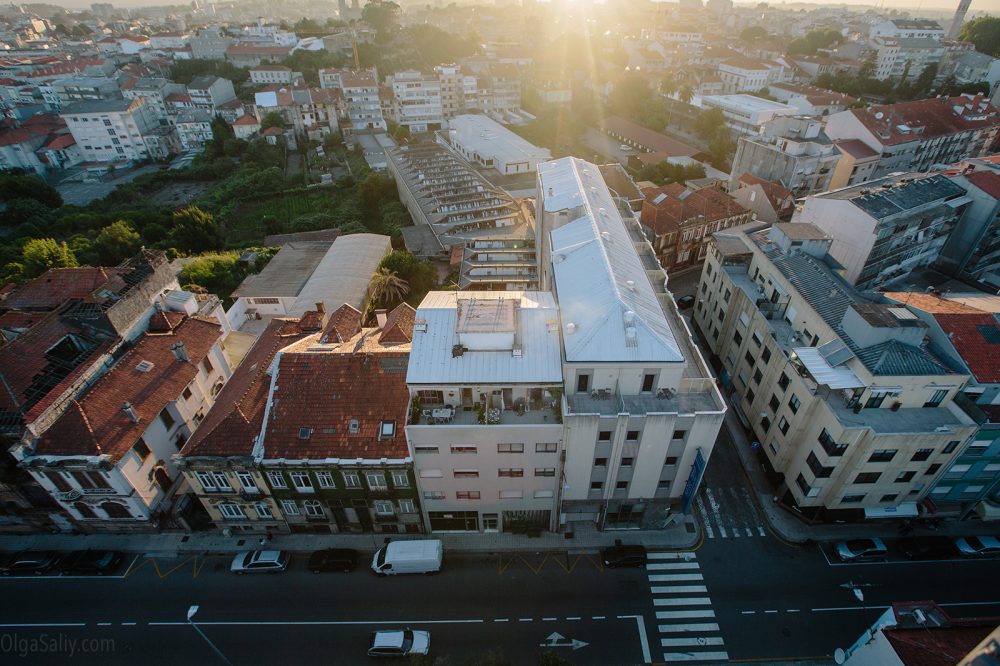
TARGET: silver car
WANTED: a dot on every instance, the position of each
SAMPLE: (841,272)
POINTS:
(861,550)
(399,643)
(259,561)
(978,546)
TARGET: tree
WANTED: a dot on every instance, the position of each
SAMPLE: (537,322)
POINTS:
(383,15)
(306,26)
(116,242)
(194,230)
(669,84)
(753,34)
(686,93)
(15,186)
(272,119)
(41,254)
(984,32)
(310,62)
(387,288)
(709,122)
(923,84)
(630,96)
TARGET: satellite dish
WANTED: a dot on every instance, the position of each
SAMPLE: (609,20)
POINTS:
(839,655)
(879,115)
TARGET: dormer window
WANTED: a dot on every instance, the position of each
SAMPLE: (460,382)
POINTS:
(387,430)
(305,433)
(354,427)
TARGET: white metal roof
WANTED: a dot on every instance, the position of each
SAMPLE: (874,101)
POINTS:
(491,139)
(608,307)
(343,274)
(434,340)
(839,377)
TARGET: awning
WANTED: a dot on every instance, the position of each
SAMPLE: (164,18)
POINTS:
(904,510)
(838,377)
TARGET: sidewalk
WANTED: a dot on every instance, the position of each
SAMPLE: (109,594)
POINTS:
(586,539)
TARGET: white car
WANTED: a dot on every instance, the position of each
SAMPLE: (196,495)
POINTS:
(978,546)
(625,148)
(399,643)
(259,561)
(861,550)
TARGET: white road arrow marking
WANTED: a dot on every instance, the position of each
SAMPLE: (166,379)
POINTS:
(556,639)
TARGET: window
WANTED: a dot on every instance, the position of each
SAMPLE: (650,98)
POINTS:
(467,495)
(647,383)
(400,479)
(376,481)
(756,339)
(765,423)
(976,450)
(671,460)
(632,436)
(663,485)
(802,484)
(264,511)
(325,479)
(232,511)
(464,448)
(773,403)
(167,419)
(433,495)
(867,477)
(783,425)
(58,480)
(314,509)
(905,476)
(301,482)
(384,508)
(596,485)
(936,398)
(627,462)
(510,472)
(466,473)
(600,462)
(891,497)
(407,506)
(545,471)
(951,446)
(354,427)
(425,449)
(852,499)
(737,338)
(831,447)
(793,404)
(680,434)
(875,399)
(751,396)
(749,358)
(205,479)
(582,383)
(508,447)
(818,470)
(546,447)
(247,481)
(765,355)
(882,455)
(541,494)
(933,469)
(276,479)
(621,485)
(604,436)
(305,433)
(186,394)
(922,454)
(783,381)
(511,494)
(387,430)
(207,365)
(351,480)
(757,376)
(141,449)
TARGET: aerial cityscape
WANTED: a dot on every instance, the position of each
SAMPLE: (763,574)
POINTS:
(512,332)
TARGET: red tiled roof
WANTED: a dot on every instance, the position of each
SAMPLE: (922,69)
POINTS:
(937,116)
(776,192)
(344,324)
(325,392)
(931,303)
(96,424)
(936,646)
(670,213)
(232,425)
(398,327)
(60,141)
(273,131)
(246,119)
(178,97)
(17,320)
(163,322)
(56,286)
(855,148)
(968,333)
(987,181)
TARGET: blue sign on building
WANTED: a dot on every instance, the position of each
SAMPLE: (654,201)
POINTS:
(694,480)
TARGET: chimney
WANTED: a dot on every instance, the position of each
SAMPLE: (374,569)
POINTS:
(130,412)
(180,351)
(380,318)
(320,307)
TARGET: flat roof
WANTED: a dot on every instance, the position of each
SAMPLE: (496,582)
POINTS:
(343,274)
(286,273)
(748,102)
(489,138)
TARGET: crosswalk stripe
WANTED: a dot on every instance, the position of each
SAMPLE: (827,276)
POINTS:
(691,642)
(662,566)
(754,511)
(674,578)
(683,628)
(683,555)
(715,512)
(695,656)
(709,532)
(684,614)
(679,589)
(683,601)
(735,515)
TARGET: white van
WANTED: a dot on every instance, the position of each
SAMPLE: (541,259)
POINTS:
(403,557)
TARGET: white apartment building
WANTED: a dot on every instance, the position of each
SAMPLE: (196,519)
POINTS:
(155,91)
(210,92)
(743,75)
(416,100)
(884,229)
(264,74)
(485,376)
(640,408)
(791,150)
(113,130)
(194,128)
(907,28)
(844,397)
(362,109)
(485,142)
(746,113)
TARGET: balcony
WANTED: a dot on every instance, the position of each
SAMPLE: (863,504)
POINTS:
(492,416)
(672,402)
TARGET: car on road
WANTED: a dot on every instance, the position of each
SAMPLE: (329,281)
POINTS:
(926,548)
(399,643)
(978,546)
(333,559)
(685,302)
(622,555)
(29,562)
(91,562)
(625,148)
(259,561)
(861,550)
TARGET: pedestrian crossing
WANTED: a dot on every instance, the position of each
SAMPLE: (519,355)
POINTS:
(685,621)
(728,513)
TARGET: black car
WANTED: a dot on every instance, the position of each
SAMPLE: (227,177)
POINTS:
(91,562)
(684,302)
(29,562)
(927,548)
(333,559)
(620,555)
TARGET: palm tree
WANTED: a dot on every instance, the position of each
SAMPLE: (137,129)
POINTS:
(686,93)
(668,85)
(387,287)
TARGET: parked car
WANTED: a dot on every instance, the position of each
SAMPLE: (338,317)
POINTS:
(685,302)
(978,546)
(29,562)
(926,548)
(91,562)
(621,555)
(259,561)
(625,148)
(861,550)
(333,559)
(399,643)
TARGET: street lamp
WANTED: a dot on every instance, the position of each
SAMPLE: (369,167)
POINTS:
(190,619)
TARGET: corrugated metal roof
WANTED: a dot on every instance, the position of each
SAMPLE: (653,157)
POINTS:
(343,274)
(432,355)
(609,309)
(838,377)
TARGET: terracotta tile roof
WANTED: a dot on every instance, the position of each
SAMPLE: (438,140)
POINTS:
(344,324)
(976,338)
(931,303)
(273,131)
(987,181)
(321,394)
(163,322)
(60,141)
(57,285)
(177,97)
(311,321)
(398,327)
(679,206)
(97,424)
(936,116)
(231,427)
(855,148)
(777,193)
(936,646)
(246,119)
(19,321)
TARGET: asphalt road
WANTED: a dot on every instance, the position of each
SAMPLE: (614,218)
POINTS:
(515,604)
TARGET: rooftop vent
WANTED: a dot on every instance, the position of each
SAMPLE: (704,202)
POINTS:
(606,235)
(180,351)
(144,366)
(129,410)
(631,285)
(631,336)
(570,328)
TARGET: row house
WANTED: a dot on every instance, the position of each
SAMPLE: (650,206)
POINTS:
(309,111)
(849,405)
(681,221)
(107,460)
